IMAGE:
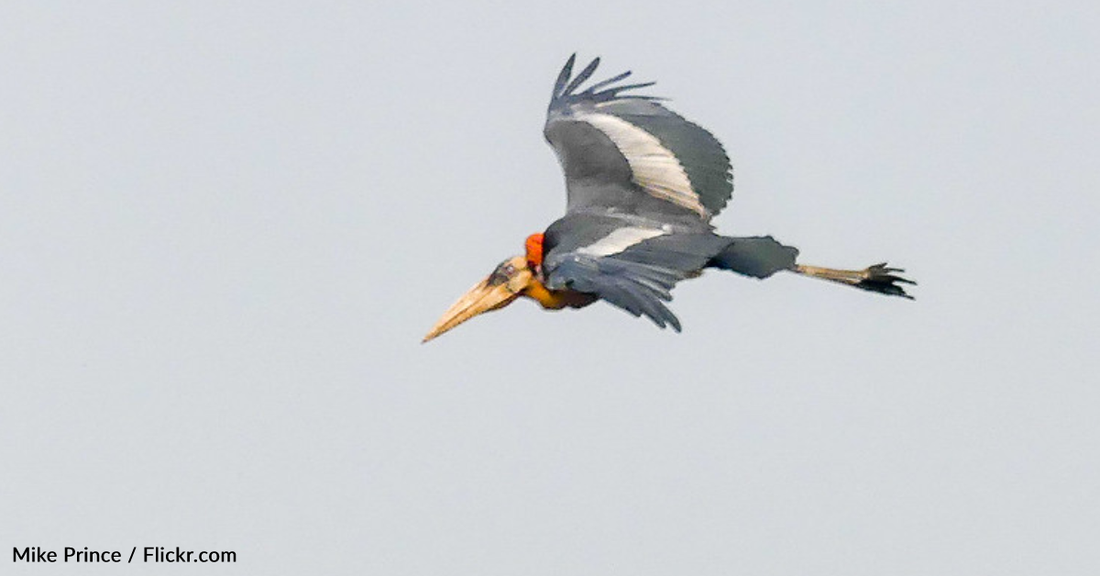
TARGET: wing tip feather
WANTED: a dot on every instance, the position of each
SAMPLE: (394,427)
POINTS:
(563,76)
(566,86)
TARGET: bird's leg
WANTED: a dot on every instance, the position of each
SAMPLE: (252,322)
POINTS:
(878,278)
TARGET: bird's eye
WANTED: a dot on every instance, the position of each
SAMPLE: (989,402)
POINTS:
(502,273)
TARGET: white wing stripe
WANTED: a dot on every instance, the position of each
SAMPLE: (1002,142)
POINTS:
(619,240)
(655,168)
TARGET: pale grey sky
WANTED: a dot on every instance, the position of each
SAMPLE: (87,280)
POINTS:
(224,229)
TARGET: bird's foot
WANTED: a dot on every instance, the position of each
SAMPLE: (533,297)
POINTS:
(878,278)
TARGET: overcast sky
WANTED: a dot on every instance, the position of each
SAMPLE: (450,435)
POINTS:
(225,228)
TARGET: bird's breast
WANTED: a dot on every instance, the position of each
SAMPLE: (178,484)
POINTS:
(557,299)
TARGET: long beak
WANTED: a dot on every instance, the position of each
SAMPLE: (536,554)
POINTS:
(481,298)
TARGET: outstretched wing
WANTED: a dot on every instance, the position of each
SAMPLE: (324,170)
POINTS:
(630,153)
(629,263)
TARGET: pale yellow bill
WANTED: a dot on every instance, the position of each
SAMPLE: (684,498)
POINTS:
(481,298)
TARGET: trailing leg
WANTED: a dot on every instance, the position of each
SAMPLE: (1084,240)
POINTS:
(878,278)
(762,256)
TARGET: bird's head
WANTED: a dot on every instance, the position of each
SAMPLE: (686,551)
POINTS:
(507,282)
(511,279)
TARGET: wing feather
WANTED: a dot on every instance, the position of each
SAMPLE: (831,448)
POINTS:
(632,267)
(584,75)
(616,147)
(639,289)
(609,81)
(563,77)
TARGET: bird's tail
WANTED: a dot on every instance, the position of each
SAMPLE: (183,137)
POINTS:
(755,256)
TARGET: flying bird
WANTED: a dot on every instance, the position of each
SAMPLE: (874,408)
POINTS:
(642,185)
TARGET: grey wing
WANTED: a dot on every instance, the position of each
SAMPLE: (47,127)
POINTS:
(637,288)
(631,153)
(632,267)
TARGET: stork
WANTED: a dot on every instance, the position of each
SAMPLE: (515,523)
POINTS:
(642,185)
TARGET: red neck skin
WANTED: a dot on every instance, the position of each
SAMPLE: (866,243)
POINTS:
(534,252)
(551,299)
